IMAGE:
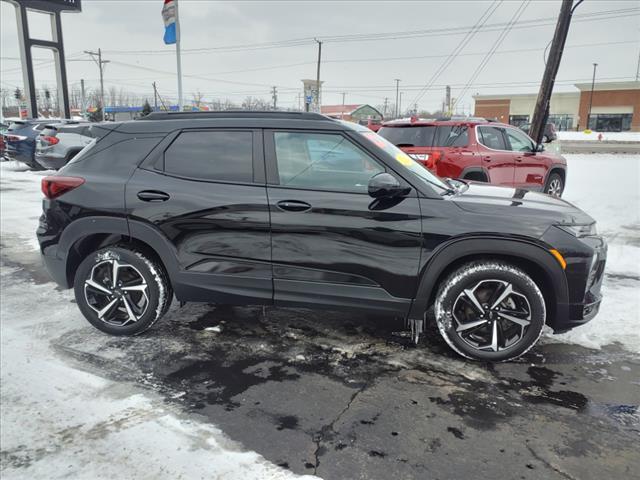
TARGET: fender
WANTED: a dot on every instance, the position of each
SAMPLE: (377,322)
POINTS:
(133,229)
(458,248)
(553,168)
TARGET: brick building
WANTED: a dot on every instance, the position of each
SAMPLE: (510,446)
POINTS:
(615,107)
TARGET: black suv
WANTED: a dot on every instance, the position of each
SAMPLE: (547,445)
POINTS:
(296,209)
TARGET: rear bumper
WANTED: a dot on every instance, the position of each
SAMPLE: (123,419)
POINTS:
(55,266)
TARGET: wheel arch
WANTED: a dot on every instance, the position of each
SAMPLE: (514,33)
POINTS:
(559,169)
(475,171)
(531,257)
(89,234)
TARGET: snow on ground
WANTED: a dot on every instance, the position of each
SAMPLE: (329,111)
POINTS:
(606,136)
(87,427)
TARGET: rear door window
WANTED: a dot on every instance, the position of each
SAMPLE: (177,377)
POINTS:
(418,136)
(452,136)
(211,155)
(492,137)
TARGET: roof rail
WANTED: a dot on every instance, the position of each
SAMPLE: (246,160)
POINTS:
(235,114)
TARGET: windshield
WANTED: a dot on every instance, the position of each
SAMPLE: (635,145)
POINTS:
(405,160)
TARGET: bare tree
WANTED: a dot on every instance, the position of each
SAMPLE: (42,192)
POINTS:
(197,98)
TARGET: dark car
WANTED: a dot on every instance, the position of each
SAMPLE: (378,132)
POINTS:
(3,129)
(21,138)
(20,141)
(240,208)
(550,133)
(480,150)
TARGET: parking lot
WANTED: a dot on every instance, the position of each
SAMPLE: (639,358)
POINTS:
(246,392)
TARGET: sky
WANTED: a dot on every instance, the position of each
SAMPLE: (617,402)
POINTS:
(130,34)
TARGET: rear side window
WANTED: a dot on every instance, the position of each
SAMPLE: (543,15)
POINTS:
(452,136)
(49,131)
(418,136)
(221,155)
(492,137)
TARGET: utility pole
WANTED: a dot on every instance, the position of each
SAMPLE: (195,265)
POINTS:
(638,68)
(342,111)
(299,104)
(83,104)
(274,96)
(400,105)
(448,99)
(593,81)
(541,111)
(155,97)
(386,101)
(397,96)
(318,73)
(100,64)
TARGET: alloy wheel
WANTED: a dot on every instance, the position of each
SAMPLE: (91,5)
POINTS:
(555,187)
(116,292)
(492,316)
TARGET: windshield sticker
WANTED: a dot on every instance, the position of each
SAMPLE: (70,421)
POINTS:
(404,159)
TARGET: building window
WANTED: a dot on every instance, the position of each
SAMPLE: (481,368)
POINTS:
(610,122)
(517,120)
(563,122)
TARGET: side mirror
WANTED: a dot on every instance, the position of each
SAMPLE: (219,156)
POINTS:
(540,147)
(385,185)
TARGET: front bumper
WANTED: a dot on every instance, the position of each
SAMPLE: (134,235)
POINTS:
(585,274)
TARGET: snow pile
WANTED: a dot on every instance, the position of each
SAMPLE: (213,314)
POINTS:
(607,187)
(606,136)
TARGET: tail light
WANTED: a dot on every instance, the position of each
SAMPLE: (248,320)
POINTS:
(49,139)
(433,159)
(15,138)
(53,187)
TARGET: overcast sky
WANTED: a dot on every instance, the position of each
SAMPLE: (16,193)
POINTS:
(130,34)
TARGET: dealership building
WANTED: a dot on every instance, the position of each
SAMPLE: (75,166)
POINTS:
(615,107)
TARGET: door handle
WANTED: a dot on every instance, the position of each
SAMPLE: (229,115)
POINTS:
(153,196)
(293,206)
(486,159)
(519,159)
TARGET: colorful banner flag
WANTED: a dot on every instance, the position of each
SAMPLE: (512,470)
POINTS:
(169,17)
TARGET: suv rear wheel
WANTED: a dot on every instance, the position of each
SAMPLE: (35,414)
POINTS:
(122,291)
(490,311)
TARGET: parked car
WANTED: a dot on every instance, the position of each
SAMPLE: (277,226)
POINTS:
(3,129)
(479,150)
(550,133)
(20,141)
(21,137)
(229,208)
(59,143)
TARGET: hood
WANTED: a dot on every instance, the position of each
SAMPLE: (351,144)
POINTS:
(490,199)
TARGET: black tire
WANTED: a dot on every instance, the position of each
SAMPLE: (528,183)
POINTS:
(147,306)
(554,185)
(479,278)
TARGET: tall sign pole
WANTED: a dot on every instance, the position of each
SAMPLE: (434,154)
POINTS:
(541,112)
(53,8)
(178,59)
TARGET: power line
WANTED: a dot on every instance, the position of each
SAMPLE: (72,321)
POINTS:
(382,36)
(483,63)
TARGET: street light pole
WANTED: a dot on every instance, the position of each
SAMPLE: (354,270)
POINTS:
(593,81)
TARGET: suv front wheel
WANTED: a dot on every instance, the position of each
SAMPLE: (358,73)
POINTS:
(122,291)
(490,311)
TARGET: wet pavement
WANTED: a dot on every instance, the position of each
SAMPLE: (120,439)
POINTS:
(349,396)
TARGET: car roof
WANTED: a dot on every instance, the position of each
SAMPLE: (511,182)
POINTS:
(422,122)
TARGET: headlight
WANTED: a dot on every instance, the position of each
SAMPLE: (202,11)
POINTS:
(580,230)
